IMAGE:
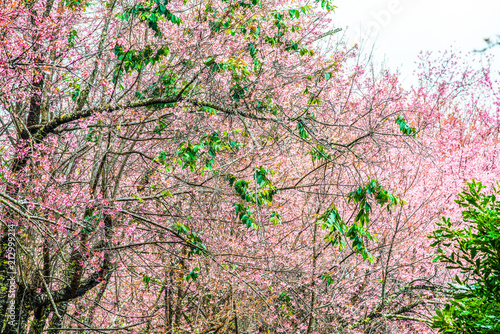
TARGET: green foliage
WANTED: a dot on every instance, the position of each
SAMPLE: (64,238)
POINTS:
(275,218)
(196,245)
(245,215)
(314,99)
(151,12)
(326,4)
(283,24)
(266,105)
(231,23)
(284,298)
(302,130)
(472,248)
(405,128)
(381,196)
(239,72)
(192,275)
(252,49)
(260,176)
(92,136)
(358,232)
(160,127)
(146,279)
(319,153)
(284,301)
(238,92)
(130,60)
(210,60)
(77,4)
(327,279)
(263,195)
(90,223)
(190,154)
(294,13)
(162,158)
(72,37)
(89,227)
(165,86)
(75,89)
(210,111)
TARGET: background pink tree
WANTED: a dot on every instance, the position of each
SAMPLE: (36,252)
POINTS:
(188,167)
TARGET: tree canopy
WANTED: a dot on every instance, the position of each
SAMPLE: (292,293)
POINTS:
(224,166)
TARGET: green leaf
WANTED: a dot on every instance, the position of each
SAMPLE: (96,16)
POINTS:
(302,130)
(192,275)
(146,279)
(404,127)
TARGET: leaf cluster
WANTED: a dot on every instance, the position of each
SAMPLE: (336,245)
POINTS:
(358,232)
(473,250)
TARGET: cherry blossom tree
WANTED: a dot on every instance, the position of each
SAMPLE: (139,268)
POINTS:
(201,167)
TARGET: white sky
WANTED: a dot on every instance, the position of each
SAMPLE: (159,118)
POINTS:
(400,29)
